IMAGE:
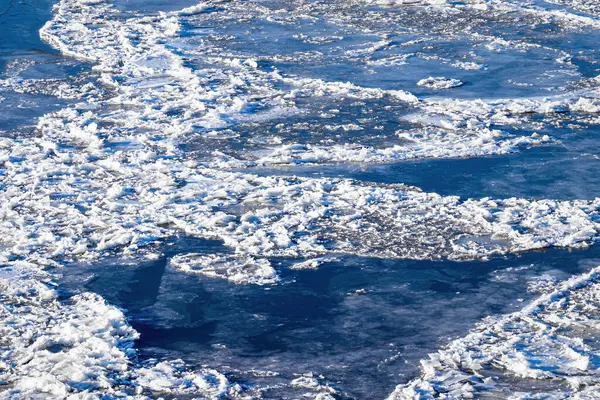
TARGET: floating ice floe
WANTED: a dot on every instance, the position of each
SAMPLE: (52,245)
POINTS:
(440,83)
(313,263)
(547,350)
(468,65)
(416,145)
(56,349)
(258,271)
(522,7)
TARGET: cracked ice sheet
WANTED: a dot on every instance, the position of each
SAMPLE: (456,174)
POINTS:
(82,205)
(538,9)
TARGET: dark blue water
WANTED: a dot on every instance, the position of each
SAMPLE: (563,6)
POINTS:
(20,21)
(315,321)
(24,54)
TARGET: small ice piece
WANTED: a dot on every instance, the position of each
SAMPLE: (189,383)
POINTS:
(193,10)
(236,270)
(172,377)
(308,264)
(309,381)
(407,2)
(313,263)
(468,65)
(440,82)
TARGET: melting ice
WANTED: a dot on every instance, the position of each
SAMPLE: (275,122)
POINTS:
(157,131)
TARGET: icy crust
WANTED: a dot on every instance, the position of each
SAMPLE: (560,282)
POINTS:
(153,88)
(547,350)
(508,111)
(64,205)
(292,217)
(417,145)
(451,128)
(586,6)
(53,87)
(258,271)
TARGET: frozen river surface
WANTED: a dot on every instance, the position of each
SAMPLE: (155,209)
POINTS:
(267,199)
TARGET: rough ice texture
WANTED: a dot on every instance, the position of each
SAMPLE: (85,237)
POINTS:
(154,71)
(440,82)
(523,7)
(249,270)
(107,176)
(124,197)
(54,349)
(416,145)
(547,350)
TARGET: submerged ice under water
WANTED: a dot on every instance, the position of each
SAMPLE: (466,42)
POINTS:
(235,176)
